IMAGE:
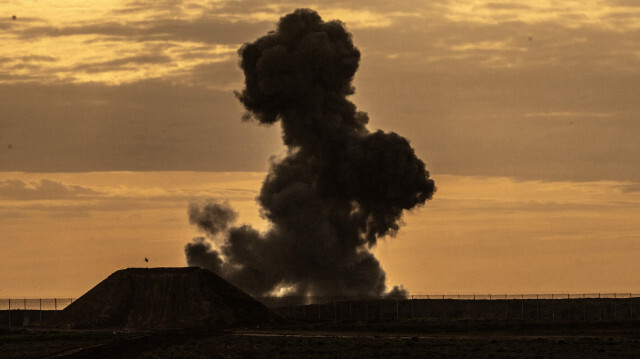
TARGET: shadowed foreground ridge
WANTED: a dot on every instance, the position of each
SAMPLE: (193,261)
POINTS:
(165,298)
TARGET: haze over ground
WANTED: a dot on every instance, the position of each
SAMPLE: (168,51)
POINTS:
(114,116)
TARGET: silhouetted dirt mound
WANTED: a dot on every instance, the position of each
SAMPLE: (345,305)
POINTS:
(165,298)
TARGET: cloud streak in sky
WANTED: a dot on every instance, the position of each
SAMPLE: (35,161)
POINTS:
(481,231)
(42,190)
(473,72)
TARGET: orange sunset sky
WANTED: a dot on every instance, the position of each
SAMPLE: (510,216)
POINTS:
(115,115)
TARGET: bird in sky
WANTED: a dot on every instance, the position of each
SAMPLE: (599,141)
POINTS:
(146,260)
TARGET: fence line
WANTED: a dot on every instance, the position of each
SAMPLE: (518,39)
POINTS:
(588,307)
(531,307)
(34,303)
(30,311)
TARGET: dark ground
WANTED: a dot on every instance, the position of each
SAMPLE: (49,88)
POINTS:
(426,339)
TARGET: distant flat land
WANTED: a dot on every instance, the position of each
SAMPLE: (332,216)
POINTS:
(423,339)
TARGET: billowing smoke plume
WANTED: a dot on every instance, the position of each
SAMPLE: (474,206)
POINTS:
(339,189)
(212,217)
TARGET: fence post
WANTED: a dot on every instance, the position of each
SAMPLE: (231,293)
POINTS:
(600,303)
(568,307)
(475,307)
(335,311)
(521,306)
(9,313)
(584,307)
(427,305)
(40,310)
(444,308)
(412,314)
(506,307)
(537,309)
(630,307)
(366,310)
(615,307)
(350,314)
(55,304)
(397,309)
(490,307)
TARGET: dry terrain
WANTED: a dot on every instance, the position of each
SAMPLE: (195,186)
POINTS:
(134,312)
(422,340)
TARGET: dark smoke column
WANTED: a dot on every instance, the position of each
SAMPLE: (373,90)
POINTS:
(339,189)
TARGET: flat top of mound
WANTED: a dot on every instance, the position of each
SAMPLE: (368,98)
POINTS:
(161,270)
(165,297)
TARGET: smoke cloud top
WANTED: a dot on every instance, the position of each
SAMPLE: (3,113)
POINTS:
(212,217)
(339,189)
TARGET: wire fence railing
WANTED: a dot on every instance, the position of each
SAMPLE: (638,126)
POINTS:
(30,311)
(529,307)
(593,307)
